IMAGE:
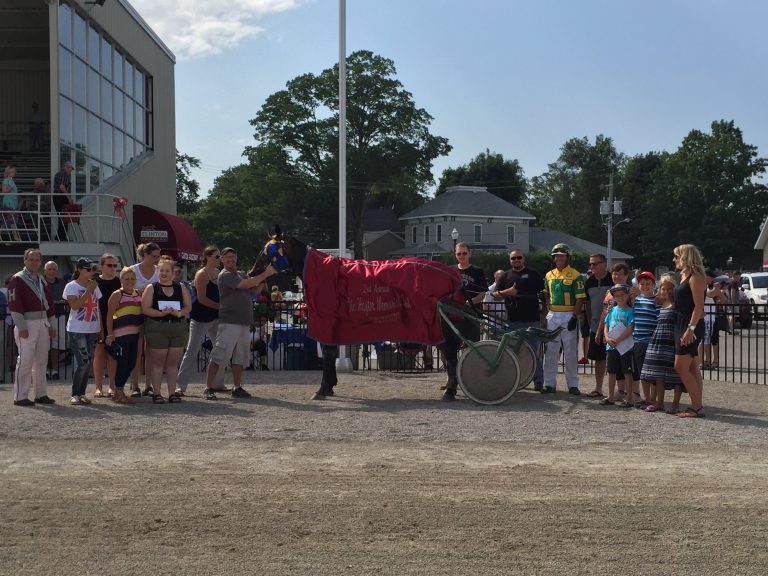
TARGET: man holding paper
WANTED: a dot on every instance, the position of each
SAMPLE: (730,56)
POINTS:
(619,326)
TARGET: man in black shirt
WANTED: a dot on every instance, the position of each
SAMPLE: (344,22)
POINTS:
(473,289)
(519,288)
(596,287)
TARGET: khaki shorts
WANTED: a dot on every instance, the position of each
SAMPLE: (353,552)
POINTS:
(59,342)
(161,335)
(232,341)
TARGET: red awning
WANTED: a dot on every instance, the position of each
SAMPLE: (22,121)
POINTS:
(173,234)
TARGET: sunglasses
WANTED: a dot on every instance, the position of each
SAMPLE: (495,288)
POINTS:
(462,253)
(217,256)
(591,264)
(110,265)
(515,257)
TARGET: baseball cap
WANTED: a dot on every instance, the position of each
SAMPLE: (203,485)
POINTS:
(710,273)
(85,263)
(619,287)
(646,274)
(227,250)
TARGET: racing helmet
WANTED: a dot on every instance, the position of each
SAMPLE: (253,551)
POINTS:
(561,248)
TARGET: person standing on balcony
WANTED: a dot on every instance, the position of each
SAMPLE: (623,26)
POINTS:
(31,305)
(10,201)
(62,196)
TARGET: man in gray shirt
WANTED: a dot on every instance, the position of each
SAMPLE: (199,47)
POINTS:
(235,316)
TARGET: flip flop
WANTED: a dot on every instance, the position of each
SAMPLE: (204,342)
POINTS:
(606,402)
(594,394)
(99,394)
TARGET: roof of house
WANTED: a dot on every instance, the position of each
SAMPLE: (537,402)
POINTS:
(468,201)
(376,219)
(544,238)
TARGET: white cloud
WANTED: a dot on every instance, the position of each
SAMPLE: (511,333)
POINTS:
(198,28)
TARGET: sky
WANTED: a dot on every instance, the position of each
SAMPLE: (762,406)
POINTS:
(516,77)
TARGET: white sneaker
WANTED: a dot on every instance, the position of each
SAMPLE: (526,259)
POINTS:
(75,401)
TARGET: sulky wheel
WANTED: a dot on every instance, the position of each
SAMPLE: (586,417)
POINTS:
(526,359)
(480,386)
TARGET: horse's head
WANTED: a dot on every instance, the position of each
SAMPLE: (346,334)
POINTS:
(283,254)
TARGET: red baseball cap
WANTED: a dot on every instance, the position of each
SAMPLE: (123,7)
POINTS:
(646,274)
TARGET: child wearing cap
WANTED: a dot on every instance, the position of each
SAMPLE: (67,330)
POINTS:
(619,325)
(646,318)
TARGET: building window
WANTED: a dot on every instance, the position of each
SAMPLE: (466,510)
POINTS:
(105,110)
(426,234)
(510,234)
(478,232)
(413,235)
(439,233)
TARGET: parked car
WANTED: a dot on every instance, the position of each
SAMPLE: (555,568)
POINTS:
(755,287)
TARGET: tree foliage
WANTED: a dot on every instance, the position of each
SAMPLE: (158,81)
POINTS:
(187,188)
(567,196)
(503,178)
(389,147)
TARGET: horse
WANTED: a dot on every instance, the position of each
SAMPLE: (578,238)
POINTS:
(290,254)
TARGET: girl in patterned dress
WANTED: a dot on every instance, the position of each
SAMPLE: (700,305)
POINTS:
(659,365)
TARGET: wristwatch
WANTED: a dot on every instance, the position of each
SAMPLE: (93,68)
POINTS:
(692,327)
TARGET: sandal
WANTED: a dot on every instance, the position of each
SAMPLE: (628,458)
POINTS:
(691,413)
(626,404)
(606,402)
(121,398)
(174,398)
(594,394)
(99,394)
(651,408)
(157,399)
(136,394)
(147,392)
(179,392)
(672,410)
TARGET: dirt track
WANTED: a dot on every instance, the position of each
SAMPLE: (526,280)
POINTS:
(383,479)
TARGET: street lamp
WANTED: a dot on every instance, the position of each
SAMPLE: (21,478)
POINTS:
(454,237)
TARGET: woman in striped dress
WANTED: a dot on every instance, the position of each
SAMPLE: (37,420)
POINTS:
(124,323)
(659,364)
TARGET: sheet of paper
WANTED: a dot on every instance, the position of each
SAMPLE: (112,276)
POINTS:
(625,345)
(163,304)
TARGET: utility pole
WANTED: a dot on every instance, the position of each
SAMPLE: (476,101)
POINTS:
(607,210)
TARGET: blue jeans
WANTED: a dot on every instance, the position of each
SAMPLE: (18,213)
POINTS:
(538,375)
(81,346)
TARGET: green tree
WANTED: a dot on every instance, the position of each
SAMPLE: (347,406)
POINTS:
(567,196)
(706,193)
(187,188)
(248,200)
(389,147)
(503,178)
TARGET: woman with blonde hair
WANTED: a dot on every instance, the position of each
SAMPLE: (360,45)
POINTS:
(689,329)
(165,305)
(125,320)
(148,255)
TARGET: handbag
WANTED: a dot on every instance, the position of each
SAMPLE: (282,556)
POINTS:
(71,213)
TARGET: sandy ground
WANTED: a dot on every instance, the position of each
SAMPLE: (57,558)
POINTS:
(383,479)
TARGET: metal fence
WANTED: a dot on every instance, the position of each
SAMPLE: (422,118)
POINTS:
(279,341)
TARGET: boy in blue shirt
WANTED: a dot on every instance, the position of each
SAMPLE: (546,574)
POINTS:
(619,325)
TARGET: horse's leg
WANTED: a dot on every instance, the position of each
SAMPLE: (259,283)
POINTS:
(329,372)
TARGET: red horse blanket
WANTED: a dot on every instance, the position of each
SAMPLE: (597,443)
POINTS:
(355,301)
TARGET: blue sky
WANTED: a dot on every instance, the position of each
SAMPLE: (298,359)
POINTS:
(519,77)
